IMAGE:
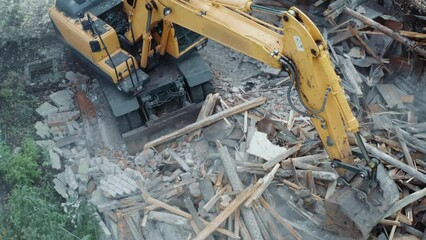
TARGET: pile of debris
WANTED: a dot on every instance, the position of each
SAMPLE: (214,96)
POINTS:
(259,172)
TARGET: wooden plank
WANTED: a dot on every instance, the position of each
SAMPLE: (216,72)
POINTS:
(215,223)
(385,157)
(206,110)
(405,150)
(391,95)
(284,156)
(181,162)
(179,212)
(412,45)
(213,200)
(197,220)
(406,201)
(410,34)
(266,181)
(351,75)
(280,219)
(207,121)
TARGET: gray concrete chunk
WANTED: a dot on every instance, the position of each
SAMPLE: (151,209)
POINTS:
(55,160)
(60,188)
(70,178)
(83,170)
(42,130)
(61,142)
(45,109)
(62,98)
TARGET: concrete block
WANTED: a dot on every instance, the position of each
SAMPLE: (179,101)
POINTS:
(105,233)
(194,190)
(42,130)
(107,191)
(61,177)
(46,144)
(70,178)
(67,154)
(60,188)
(167,218)
(83,170)
(260,146)
(63,98)
(70,128)
(108,206)
(64,141)
(144,156)
(134,175)
(60,119)
(97,197)
(55,160)
(266,70)
(46,108)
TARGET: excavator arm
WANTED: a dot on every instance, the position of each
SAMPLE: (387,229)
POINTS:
(298,47)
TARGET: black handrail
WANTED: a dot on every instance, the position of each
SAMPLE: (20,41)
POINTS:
(130,72)
(92,24)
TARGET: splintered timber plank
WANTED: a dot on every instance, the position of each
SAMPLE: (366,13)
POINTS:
(210,228)
(206,121)
(179,212)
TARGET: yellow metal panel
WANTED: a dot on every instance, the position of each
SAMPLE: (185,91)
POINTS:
(301,44)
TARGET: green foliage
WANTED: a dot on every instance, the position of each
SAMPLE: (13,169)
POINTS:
(34,214)
(17,109)
(23,167)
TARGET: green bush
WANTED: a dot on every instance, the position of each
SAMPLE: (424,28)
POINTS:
(34,214)
(23,167)
(17,109)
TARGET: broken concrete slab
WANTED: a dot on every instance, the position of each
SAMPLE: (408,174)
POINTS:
(97,197)
(108,206)
(120,185)
(64,141)
(42,130)
(83,170)
(76,77)
(63,98)
(46,144)
(144,156)
(70,128)
(70,178)
(60,188)
(261,147)
(61,177)
(168,218)
(134,175)
(267,70)
(60,119)
(105,233)
(194,190)
(55,160)
(46,108)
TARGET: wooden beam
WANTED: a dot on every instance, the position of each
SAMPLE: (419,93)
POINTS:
(412,45)
(282,157)
(211,227)
(390,160)
(206,121)
(280,219)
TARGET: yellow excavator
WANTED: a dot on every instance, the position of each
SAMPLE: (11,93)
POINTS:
(146,51)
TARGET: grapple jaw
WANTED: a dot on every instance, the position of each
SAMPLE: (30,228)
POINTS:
(352,213)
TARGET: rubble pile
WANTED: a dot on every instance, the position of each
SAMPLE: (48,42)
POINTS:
(251,167)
